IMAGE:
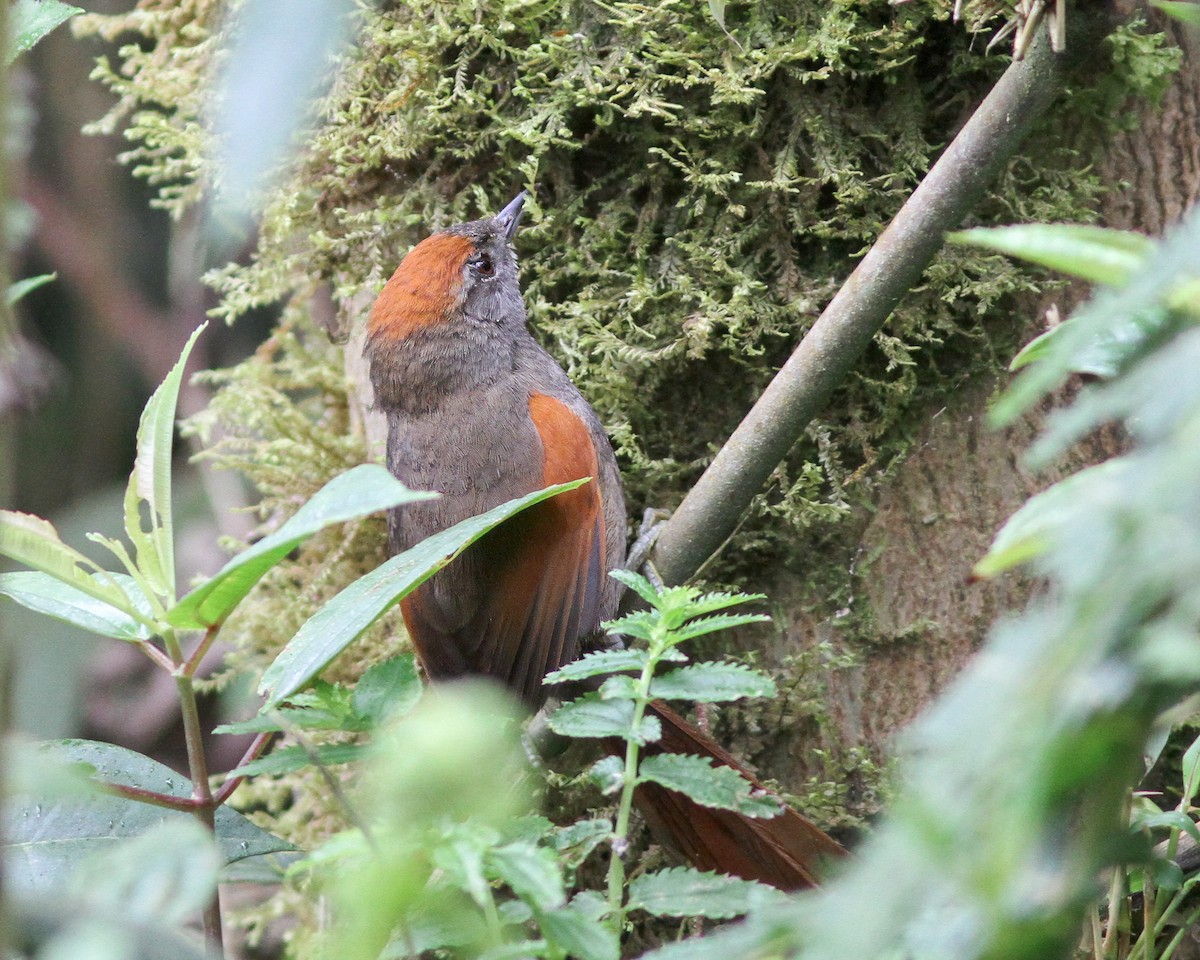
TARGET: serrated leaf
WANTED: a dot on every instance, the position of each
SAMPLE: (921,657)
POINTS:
(362,490)
(724,621)
(1031,531)
(712,602)
(684,892)
(595,664)
(45,838)
(150,482)
(31,20)
(50,596)
(712,683)
(22,288)
(576,841)
(579,935)
(709,784)
(33,542)
(337,624)
(386,689)
(619,687)
(290,759)
(532,872)
(608,773)
(591,717)
(1185,11)
(638,584)
(1095,254)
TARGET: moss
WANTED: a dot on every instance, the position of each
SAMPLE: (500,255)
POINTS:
(699,192)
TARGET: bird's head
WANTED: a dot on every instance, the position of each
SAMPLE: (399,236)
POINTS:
(463,276)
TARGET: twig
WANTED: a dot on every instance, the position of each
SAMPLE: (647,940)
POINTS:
(829,351)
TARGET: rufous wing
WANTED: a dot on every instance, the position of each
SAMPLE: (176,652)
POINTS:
(540,574)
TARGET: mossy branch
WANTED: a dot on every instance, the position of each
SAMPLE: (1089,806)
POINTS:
(827,354)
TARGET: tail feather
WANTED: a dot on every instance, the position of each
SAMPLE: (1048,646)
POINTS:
(787,851)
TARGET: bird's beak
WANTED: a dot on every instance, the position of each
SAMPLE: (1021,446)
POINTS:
(510,216)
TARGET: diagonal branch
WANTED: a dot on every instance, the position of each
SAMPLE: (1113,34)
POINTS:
(828,352)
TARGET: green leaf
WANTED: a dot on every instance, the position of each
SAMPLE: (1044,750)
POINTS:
(1186,11)
(167,874)
(1190,768)
(577,840)
(1095,254)
(1033,529)
(684,892)
(595,664)
(290,759)
(709,784)
(717,9)
(45,838)
(589,716)
(337,624)
(532,872)
(33,19)
(33,542)
(608,773)
(45,594)
(724,621)
(22,288)
(1103,355)
(638,584)
(150,482)
(712,683)
(579,935)
(619,687)
(387,689)
(365,489)
(1168,820)
(324,706)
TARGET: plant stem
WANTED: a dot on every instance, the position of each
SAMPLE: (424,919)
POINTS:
(204,809)
(616,866)
(193,662)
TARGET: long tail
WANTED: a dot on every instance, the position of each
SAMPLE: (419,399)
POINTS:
(786,851)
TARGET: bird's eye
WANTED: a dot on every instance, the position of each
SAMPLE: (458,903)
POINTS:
(482,265)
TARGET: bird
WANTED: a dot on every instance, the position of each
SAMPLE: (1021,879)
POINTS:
(478,411)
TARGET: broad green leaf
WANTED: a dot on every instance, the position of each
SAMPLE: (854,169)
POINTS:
(290,759)
(1166,819)
(45,594)
(337,624)
(532,872)
(1173,262)
(1186,11)
(1095,254)
(708,783)
(619,687)
(712,683)
(33,542)
(590,716)
(608,773)
(22,288)
(1190,768)
(166,875)
(579,935)
(595,664)
(45,839)
(30,20)
(150,482)
(365,489)
(387,689)
(684,892)
(1102,355)
(1031,531)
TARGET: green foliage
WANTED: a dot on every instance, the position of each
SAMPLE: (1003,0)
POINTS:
(33,19)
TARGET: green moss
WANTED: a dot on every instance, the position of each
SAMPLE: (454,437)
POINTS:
(699,193)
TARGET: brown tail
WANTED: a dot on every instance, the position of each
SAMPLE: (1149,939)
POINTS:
(786,851)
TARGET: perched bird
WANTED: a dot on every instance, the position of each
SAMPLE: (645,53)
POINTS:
(479,412)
